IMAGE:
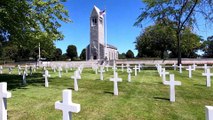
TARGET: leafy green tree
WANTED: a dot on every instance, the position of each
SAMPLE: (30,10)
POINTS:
(129,54)
(58,54)
(122,56)
(155,41)
(83,54)
(208,47)
(28,22)
(181,13)
(72,52)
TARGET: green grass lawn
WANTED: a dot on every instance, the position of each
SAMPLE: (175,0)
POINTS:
(145,98)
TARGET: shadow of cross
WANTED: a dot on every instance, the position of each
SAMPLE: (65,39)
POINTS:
(67,106)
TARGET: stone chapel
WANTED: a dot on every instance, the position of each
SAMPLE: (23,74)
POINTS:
(98,49)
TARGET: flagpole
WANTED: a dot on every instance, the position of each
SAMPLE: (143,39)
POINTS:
(105,30)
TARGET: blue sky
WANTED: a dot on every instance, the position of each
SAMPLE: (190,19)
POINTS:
(121,15)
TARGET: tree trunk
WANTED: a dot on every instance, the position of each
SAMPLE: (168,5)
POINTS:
(179,47)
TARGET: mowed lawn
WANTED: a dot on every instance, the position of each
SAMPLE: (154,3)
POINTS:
(145,98)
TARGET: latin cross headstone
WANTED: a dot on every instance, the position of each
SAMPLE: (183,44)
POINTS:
(31,70)
(127,66)
(114,68)
(209,112)
(139,67)
(172,83)
(175,66)
(26,68)
(205,68)
(1,69)
(54,68)
(59,71)
(190,71)
(66,68)
(70,67)
(159,68)
(34,68)
(129,71)
(76,77)
(67,106)
(3,100)
(19,70)
(135,68)
(194,66)
(180,68)
(101,73)
(122,67)
(164,73)
(24,77)
(208,77)
(116,80)
(46,75)
(10,69)
(107,67)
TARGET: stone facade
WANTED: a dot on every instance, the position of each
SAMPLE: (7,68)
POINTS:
(97,49)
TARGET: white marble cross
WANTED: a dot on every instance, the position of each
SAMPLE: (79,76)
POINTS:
(208,77)
(24,77)
(139,66)
(190,71)
(1,69)
(116,80)
(46,75)
(205,68)
(194,66)
(67,106)
(122,67)
(95,68)
(19,70)
(114,69)
(174,65)
(26,68)
(66,68)
(135,68)
(180,68)
(101,73)
(172,84)
(209,112)
(129,71)
(10,69)
(159,68)
(164,73)
(59,71)
(3,101)
(76,77)
(107,67)
(127,65)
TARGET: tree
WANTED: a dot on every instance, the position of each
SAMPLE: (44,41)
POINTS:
(208,47)
(83,54)
(155,41)
(58,54)
(32,22)
(129,54)
(122,56)
(182,13)
(72,52)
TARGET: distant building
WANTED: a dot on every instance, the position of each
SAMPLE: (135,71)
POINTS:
(98,49)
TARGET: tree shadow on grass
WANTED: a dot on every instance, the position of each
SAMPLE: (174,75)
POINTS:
(70,88)
(161,98)
(15,81)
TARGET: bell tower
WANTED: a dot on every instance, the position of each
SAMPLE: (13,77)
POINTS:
(96,34)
